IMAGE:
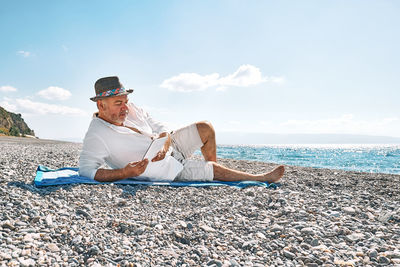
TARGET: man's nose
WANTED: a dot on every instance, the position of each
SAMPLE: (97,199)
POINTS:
(125,106)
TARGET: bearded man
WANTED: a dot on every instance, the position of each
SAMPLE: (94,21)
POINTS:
(120,134)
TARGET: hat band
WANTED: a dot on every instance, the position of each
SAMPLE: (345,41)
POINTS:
(111,92)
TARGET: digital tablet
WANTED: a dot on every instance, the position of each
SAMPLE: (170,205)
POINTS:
(155,146)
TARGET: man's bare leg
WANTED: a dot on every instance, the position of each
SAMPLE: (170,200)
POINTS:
(207,135)
(222,173)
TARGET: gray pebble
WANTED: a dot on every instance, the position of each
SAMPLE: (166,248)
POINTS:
(94,250)
(307,231)
(373,254)
(276,228)
(84,213)
(314,242)
(384,217)
(214,263)
(8,225)
(383,260)
(288,254)
(234,263)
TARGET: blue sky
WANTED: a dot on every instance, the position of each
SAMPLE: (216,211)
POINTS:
(246,66)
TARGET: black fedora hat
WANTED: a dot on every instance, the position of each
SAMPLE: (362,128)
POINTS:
(108,87)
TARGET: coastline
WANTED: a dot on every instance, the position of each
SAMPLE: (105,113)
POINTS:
(317,217)
(28,140)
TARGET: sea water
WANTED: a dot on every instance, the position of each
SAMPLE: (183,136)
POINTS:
(363,158)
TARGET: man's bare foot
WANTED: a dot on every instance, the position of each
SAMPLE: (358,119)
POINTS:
(275,175)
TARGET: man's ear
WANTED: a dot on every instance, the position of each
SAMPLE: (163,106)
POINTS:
(100,104)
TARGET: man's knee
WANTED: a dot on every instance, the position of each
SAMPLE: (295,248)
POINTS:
(205,128)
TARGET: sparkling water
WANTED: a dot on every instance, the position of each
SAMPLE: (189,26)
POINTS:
(363,158)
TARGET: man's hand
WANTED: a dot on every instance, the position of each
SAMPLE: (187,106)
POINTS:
(161,154)
(136,168)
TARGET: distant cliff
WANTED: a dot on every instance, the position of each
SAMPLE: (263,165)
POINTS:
(13,124)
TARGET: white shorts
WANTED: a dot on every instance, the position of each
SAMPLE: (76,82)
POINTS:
(185,142)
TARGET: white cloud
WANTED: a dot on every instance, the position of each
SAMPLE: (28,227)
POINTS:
(188,82)
(8,106)
(244,76)
(29,106)
(7,88)
(55,93)
(278,80)
(24,53)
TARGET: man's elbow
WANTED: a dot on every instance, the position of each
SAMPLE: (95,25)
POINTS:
(84,172)
(99,177)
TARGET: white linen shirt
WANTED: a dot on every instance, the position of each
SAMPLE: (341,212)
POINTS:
(116,146)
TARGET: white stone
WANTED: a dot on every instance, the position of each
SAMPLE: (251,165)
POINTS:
(159,227)
(53,247)
(307,231)
(260,235)
(183,224)
(49,220)
(28,262)
(355,237)
(385,217)
(28,238)
(5,256)
(392,254)
(349,210)
(26,252)
(207,228)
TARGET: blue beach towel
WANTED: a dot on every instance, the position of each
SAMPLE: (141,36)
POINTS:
(46,177)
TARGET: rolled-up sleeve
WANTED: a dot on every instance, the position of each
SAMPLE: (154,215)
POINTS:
(93,155)
(155,125)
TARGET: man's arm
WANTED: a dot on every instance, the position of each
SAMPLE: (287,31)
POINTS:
(93,155)
(132,169)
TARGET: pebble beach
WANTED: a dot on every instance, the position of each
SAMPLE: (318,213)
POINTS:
(317,217)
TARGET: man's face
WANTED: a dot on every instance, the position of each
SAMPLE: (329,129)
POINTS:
(113,109)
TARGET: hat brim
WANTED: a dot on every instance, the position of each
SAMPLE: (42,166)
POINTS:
(95,98)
